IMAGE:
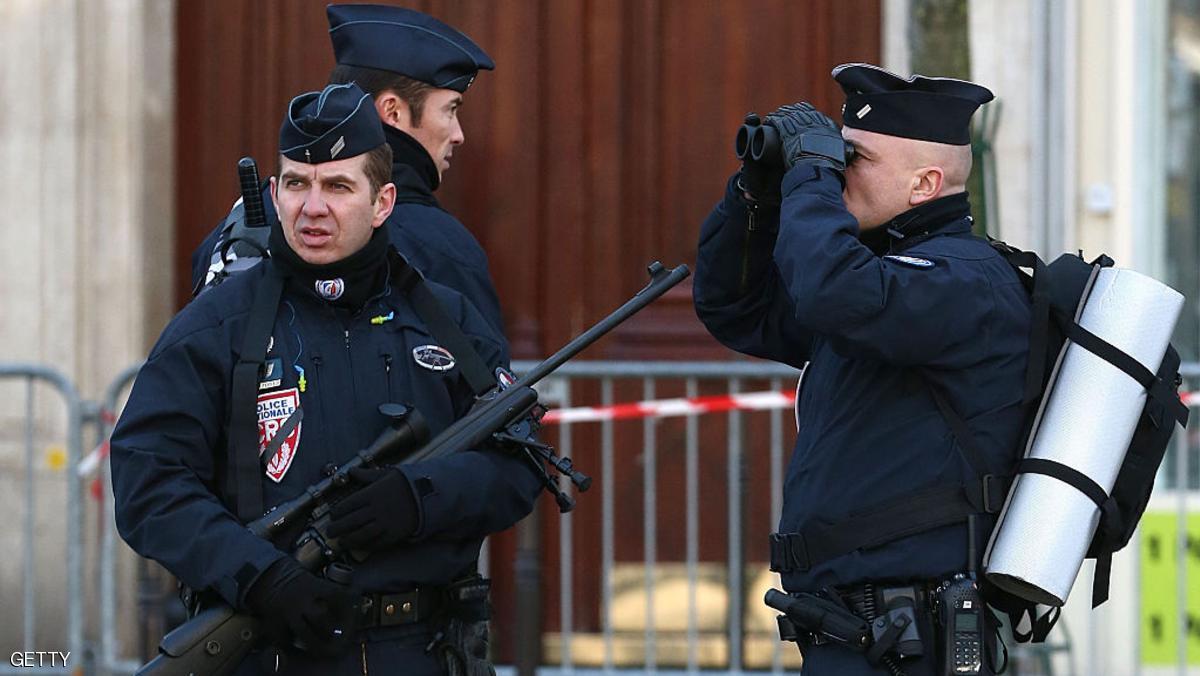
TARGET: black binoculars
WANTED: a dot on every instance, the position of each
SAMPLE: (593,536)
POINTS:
(759,142)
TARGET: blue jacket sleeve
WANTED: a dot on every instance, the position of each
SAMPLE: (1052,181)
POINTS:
(737,291)
(472,493)
(202,256)
(871,306)
(447,253)
(163,473)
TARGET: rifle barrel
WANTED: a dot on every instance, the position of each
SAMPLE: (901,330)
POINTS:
(661,281)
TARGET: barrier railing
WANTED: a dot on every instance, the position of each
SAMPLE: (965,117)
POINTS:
(684,485)
(31,610)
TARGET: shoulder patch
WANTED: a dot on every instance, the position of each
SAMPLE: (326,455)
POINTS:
(911,261)
(274,409)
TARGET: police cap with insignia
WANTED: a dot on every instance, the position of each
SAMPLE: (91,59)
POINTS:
(934,109)
(406,42)
(335,123)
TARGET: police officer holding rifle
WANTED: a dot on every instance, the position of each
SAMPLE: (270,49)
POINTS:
(270,381)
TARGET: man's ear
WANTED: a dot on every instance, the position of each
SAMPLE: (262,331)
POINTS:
(393,111)
(384,201)
(926,185)
(275,192)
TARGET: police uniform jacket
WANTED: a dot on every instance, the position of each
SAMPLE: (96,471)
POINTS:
(435,241)
(169,447)
(935,306)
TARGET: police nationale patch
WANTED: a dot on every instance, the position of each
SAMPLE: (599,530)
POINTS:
(331,289)
(911,261)
(274,408)
(272,374)
(433,357)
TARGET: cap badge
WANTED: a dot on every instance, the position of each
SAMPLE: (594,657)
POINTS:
(433,357)
(862,112)
(337,147)
(331,289)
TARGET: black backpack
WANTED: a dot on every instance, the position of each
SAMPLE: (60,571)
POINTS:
(1057,291)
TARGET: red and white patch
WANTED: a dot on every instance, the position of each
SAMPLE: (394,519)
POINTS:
(273,409)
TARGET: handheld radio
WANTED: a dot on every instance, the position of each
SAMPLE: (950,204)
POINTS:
(961,614)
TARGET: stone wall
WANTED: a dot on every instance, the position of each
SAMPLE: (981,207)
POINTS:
(86,177)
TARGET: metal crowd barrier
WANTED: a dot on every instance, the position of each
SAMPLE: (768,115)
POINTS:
(30,609)
(646,583)
(111,656)
(651,376)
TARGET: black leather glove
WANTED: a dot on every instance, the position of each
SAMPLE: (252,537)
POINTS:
(808,136)
(380,514)
(301,608)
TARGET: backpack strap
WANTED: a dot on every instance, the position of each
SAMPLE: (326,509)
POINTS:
(1110,515)
(243,462)
(960,429)
(1156,387)
(479,378)
(909,514)
(1039,335)
(1018,610)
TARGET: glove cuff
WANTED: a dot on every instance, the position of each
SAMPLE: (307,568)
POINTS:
(261,593)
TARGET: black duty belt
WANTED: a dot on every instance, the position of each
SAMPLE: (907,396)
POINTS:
(411,607)
(912,513)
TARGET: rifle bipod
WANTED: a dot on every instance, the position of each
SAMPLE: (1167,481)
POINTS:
(520,436)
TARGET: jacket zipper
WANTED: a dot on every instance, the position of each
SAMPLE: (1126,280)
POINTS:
(387,374)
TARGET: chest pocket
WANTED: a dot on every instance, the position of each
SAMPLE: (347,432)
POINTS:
(421,372)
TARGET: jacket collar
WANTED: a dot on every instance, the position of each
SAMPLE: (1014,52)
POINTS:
(413,170)
(947,215)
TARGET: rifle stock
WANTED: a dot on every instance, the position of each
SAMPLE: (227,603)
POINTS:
(216,640)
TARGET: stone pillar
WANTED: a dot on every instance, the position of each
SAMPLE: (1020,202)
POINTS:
(86,177)
(1006,57)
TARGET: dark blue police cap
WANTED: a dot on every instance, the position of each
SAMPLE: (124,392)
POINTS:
(406,42)
(338,122)
(935,109)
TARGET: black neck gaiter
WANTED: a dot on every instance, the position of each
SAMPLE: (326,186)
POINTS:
(348,283)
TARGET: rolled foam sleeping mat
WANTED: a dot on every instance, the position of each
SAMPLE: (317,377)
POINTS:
(1086,422)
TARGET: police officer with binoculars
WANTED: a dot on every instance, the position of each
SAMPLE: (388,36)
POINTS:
(849,253)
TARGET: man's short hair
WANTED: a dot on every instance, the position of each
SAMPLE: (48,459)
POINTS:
(378,168)
(375,82)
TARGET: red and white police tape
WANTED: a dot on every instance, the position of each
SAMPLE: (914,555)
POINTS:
(655,408)
(668,408)
(672,408)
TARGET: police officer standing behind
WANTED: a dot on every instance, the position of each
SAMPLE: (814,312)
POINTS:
(417,70)
(343,339)
(868,273)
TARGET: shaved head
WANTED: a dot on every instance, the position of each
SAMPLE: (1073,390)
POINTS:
(892,174)
(954,161)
